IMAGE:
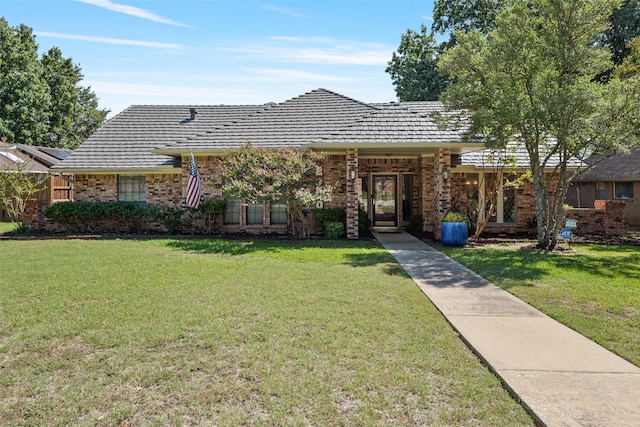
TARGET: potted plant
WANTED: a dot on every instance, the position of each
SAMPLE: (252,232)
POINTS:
(455,229)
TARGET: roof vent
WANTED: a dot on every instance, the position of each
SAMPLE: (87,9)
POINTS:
(193,113)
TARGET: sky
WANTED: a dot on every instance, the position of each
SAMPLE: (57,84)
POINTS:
(193,52)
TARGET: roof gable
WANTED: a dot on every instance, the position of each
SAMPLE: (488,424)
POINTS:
(293,123)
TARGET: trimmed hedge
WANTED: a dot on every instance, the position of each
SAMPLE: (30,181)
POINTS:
(133,217)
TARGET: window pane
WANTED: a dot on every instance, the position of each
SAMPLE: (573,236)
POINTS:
(509,205)
(278,213)
(131,188)
(255,213)
(624,190)
(600,191)
(232,212)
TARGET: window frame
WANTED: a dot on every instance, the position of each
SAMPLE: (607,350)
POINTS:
(231,212)
(618,195)
(132,188)
(255,214)
(280,209)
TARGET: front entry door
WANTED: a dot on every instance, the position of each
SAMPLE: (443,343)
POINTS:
(385,212)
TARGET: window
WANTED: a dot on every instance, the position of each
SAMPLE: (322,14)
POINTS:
(255,214)
(232,212)
(508,204)
(624,190)
(278,213)
(131,188)
(600,190)
(505,209)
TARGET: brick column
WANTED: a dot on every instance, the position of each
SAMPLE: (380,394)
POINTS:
(442,189)
(427,198)
(352,193)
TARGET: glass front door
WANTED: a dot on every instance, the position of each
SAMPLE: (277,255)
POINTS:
(385,212)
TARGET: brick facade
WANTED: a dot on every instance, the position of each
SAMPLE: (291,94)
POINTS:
(431,195)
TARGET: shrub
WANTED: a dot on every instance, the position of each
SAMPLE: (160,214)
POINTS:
(334,230)
(364,223)
(325,216)
(455,216)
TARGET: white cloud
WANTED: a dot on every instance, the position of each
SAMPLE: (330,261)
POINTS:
(132,11)
(317,50)
(109,40)
(283,10)
(278,74)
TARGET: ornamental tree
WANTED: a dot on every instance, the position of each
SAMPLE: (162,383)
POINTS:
(18,186)
(258,175)
(532,79)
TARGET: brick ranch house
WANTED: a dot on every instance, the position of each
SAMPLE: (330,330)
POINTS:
(391,159)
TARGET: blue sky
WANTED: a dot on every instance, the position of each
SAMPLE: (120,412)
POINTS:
(223,52)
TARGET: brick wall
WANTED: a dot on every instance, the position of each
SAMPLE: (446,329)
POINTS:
(607,218)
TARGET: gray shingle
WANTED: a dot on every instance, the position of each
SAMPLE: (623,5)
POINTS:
(152,137)
(617,167)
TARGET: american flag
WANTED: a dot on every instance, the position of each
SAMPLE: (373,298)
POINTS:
(193,186)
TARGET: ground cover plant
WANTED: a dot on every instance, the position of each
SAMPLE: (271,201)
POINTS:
(229,332)
(595,291)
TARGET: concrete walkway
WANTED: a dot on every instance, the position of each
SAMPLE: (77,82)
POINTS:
(560,376)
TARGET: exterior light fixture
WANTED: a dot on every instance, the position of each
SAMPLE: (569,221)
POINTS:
(445,174)
(352,174)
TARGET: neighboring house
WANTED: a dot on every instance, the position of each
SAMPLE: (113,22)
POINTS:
(37,160)
(615,177)
(392,160)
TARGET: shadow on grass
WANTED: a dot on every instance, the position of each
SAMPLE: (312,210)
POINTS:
(524,267)
(353,253)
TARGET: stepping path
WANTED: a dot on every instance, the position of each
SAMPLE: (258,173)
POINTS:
(561,377)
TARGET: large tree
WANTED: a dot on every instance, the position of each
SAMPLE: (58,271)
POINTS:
(414,67)
(531,79)
(451,16)
(41,100)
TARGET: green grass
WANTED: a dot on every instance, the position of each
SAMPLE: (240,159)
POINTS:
(7,226)
(219,332)
(595,291)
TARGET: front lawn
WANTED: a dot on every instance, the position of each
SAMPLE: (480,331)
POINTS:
(595,291)
(7,226)
(225,332)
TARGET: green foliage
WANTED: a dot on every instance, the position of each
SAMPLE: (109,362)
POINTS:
(214,205)
(100,216)
(364,222)
(17,187)
(625,26)
(41,101)
(257,175)
(413,68)
(533,79)
(325,216)
(451,16)
(455,216)
(334,230)
(131,217)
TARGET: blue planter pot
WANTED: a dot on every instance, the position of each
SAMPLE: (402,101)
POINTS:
(454,233)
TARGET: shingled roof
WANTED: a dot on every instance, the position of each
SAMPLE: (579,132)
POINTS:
(147,138)
(515,155)
(617,167)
